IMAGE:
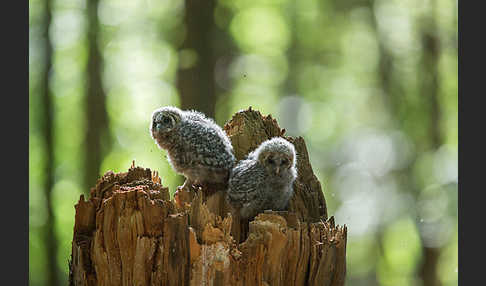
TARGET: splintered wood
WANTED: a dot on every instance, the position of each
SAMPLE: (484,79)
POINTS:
(129,232)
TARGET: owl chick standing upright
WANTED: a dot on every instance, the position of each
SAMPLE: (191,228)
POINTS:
(196,146)
(264,179)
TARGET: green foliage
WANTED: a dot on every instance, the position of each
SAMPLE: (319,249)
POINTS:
(260,29)
(401,248)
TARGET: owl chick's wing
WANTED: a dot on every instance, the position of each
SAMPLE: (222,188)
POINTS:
(206,145)
(246,183)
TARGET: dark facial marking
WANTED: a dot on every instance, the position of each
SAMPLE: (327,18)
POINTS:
(271,161)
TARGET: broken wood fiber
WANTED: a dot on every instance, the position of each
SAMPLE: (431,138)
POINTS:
(129,231)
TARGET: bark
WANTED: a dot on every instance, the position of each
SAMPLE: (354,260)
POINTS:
(47,123)
(130,233)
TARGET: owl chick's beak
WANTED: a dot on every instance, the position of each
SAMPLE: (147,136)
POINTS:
(277,171)
(158,126)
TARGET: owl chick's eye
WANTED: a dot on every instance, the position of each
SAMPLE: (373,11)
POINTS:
(285,162)
(166,120)
(271,161)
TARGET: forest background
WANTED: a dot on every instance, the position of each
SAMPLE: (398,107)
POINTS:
(371,85)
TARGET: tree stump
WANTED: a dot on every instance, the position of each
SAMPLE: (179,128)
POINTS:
(129,232)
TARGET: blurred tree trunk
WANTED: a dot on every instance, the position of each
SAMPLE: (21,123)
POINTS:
(429,90)
(195,79)
(292,51)
(97,129)
(224,52)
(291,111)
(198,58)
(47,130)
(429,68)
(392,91)
(394,95)
(129,232)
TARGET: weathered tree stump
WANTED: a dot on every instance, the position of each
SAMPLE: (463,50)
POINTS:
(129,232)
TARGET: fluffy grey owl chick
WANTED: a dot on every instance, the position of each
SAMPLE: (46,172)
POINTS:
(196,146)
(264,179)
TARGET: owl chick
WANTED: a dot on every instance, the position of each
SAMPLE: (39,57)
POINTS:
(264,179)
(196,146)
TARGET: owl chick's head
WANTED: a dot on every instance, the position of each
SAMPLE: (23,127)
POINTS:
(277,155)
(164,120)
